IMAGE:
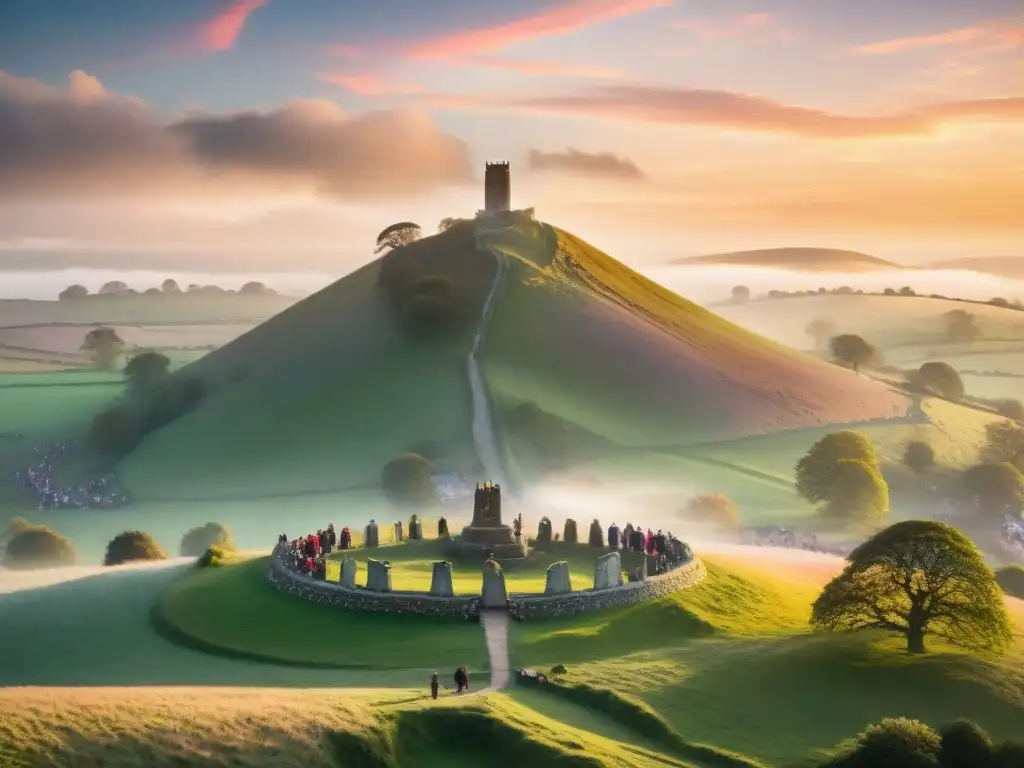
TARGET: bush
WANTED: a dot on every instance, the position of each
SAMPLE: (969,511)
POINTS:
(406,480)
(965,745)
(37,546)
(132,546)
(919,457)
(715,510)
(198,540)
(940,379)
(1010,579)
(893,743)
(217,557)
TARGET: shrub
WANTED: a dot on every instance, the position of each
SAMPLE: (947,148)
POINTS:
(217,557)
(896,742)
(964,745)
(918,456)
(132,546)
(559,669)
(198,540)
(715,510)
(37,546)
(1010,579)
(406,480)
(940,379)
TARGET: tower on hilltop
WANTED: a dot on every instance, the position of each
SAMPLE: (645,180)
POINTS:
(497,188)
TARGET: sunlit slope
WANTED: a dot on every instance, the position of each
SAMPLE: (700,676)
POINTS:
(598,344)
(321,396)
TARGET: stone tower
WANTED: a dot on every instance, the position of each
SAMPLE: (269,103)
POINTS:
(497,188)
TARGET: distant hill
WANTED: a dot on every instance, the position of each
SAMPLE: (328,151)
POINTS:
(322,395)
(1002,266)
(804,259)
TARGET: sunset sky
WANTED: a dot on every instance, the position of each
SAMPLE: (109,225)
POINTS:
(283,134)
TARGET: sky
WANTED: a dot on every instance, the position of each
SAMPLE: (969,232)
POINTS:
(278,135)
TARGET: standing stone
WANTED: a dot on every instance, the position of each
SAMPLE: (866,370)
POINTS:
(641,570)
(348,573)
(613,537)
(569,534)
(415,529)
(441,580)
(608,571)
(371,538)
(558,581)
(399,532)
(378,575)
(596,534)
(493,594)
(442,528)
(544,531)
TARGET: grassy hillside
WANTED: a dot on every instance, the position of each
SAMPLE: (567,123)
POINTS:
(321,396)
(804,259)
(602,347)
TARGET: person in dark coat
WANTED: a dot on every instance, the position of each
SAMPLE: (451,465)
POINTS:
(461,679)
(435,683)
(627,536)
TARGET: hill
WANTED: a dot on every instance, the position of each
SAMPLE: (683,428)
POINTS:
(325,393)
(1003,266)
(803,259)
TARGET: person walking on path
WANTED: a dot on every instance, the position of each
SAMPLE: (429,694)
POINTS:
(434,685)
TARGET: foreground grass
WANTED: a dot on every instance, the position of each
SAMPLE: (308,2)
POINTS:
(742,669)
(235,611)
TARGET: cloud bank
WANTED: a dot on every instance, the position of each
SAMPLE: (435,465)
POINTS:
(573,161)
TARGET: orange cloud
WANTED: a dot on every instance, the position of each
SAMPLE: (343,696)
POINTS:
(733,28)
(370,85)
(545,68)
(565,18)
(995,33)
(221,32)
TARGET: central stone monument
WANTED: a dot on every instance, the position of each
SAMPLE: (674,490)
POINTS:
(486,537)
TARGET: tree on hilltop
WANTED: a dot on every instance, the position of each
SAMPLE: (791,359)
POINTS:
(397,235)
(104,346)
(406,480)
(37,546)
(132,546)
(918,456)
(821,330)
(940,379)
(144,371)
(918,578)
(852,351)
(1004,442)
(960,325)
(997,489)
(73,293)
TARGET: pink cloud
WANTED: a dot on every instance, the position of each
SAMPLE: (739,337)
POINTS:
(733,28)
(995,33)
(545,68)
(221,32)
(562,19)
(370,84)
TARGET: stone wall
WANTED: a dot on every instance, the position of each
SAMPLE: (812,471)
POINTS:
(584,601)
(360,599)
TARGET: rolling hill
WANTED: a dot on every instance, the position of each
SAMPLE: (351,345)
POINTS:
(322,395)
(803,259)
(1002,266)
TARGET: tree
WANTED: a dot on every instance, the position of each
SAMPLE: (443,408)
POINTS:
(1011,409)
(253,288)
(906,290)
(896,742)
(740,294)
(212,535)
(940,379)
(716,510)
(1004,442)
(131,546)
(37,546)
(170,286)
(997,489)
(113,288)
(852,351)
(918,578)
(918,456)
(73,293)
(960,326)
(146,370)
(406,480)
(816,471)
(1010,579)
(397,235)
(821,330)
(965,745)
(858,491)
(114,433)
(103,345)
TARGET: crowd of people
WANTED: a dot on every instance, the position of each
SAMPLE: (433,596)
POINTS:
(658,545)
(93,493)
(307,554)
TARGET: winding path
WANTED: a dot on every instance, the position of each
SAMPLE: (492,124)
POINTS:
(495,624)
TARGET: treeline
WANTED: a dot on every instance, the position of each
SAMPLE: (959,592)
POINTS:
(741,294)
(167,288)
